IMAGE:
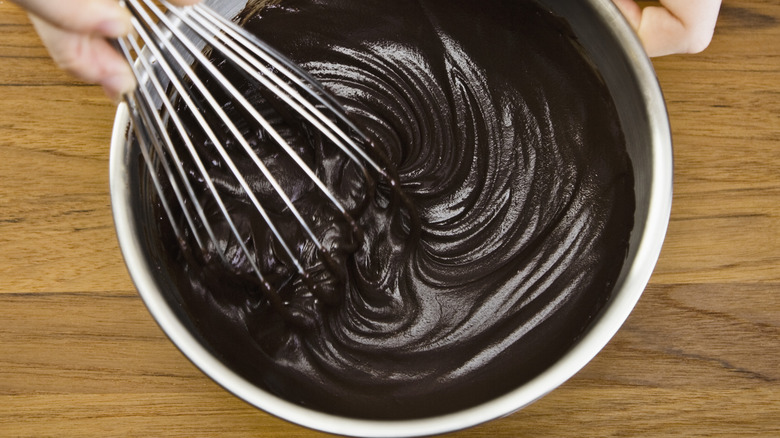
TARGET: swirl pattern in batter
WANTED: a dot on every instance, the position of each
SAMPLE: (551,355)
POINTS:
(507,146)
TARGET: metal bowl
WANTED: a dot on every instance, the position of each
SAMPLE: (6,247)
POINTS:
(629,75)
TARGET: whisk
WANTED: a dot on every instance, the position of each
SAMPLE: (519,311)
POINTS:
(179,84)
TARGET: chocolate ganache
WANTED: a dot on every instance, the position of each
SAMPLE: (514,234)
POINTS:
(494,241)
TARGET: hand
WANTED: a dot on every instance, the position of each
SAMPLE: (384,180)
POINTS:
(676,26)
(75,33)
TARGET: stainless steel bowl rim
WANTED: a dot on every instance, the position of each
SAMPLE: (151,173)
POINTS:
(632,283)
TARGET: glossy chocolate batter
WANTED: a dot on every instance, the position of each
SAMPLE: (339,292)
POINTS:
(508,149)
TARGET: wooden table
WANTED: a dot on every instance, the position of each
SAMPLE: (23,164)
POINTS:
(700,355)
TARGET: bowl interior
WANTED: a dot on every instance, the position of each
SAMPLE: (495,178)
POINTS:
(616,53)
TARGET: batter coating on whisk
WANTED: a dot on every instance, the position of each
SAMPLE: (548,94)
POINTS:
(508,145)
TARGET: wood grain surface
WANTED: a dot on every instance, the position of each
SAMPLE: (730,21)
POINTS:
(700,355)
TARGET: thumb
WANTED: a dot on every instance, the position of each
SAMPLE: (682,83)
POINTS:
(96,17)
(89,58)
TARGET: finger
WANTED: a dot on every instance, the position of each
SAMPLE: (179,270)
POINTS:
(99,17)
(88,57)
(676,26)
(698,18)
(661,32)
(631,11)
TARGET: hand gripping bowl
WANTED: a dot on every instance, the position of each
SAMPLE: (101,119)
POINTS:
(629,76)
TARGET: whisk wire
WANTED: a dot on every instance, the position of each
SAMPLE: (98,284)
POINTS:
(223,82)
(282,90)
(148,114)
(145,106)
(163,51)
(240,40)
(183,134)
(144,140)
(216,107)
